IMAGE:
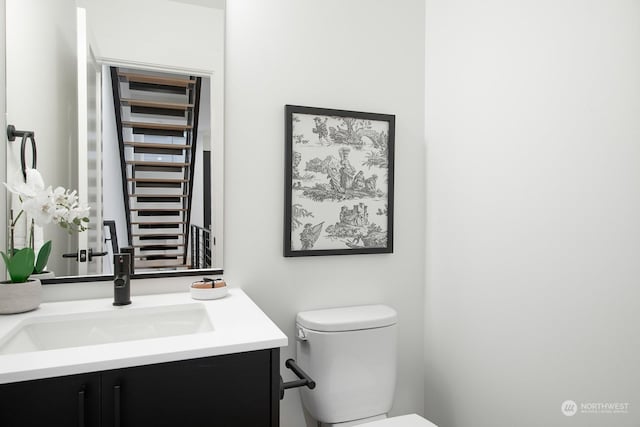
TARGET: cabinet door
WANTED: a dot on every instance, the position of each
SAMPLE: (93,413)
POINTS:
(225,391)
(63,401)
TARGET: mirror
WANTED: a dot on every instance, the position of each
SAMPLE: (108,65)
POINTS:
(101,83)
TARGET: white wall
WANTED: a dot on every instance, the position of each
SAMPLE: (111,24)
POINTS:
(533,211)
(172,33)
(355,55)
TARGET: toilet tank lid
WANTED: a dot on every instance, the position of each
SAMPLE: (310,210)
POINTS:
(348,318)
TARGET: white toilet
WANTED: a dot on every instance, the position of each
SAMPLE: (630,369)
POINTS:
(350,353)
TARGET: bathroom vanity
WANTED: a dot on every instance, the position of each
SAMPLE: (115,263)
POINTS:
(166,360)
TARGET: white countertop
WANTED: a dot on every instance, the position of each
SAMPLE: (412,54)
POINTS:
(238,326)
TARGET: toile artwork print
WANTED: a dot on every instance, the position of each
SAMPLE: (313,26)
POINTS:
(339,182)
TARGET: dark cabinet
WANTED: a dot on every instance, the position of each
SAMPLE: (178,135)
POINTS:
(229,390)
(239,389)
(64,401)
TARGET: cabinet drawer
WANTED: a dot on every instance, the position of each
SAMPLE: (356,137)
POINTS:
(64,401)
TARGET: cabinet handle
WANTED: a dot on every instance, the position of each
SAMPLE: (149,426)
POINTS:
(116,406)
(81,395)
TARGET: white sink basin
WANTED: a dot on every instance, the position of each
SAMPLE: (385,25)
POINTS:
(103,327)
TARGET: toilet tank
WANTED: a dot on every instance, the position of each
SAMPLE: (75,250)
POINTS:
(350,353)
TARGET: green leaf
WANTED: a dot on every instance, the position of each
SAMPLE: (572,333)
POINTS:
(43,257)
(85,219)
(21,265)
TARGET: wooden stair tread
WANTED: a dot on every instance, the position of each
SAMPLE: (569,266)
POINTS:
(167,180)
(161,164)
(157,145)
(158,195)
(158,235)
(156,126)
(156,104)
(158,222)
(142,264)
(169,257)
(157,210)
(161,245)
(159,80)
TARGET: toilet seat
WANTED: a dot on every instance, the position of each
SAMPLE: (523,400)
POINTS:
(411,420)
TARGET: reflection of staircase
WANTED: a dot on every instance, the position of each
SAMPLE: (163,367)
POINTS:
(157,120)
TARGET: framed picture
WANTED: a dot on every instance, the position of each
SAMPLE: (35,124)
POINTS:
(338,182)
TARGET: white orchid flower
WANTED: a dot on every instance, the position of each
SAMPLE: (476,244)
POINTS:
(33,185)
(35,199)
(68,212)
(34,179)
(41,207)
(46,205)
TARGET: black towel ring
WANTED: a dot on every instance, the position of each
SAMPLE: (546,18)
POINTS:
(26,135)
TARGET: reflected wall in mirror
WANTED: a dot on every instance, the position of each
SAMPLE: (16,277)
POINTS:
(126,101)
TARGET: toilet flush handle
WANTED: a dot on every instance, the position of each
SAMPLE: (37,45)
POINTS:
(300,335)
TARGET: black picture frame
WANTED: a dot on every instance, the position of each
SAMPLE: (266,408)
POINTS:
(339,176)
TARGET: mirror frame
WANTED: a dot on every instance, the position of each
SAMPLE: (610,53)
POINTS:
(155,275)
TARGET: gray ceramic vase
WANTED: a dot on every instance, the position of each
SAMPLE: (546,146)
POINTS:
(20,297)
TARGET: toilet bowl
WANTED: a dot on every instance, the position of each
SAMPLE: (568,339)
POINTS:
(411,420)
(350,352)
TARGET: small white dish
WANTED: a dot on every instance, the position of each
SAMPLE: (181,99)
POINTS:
(208,293)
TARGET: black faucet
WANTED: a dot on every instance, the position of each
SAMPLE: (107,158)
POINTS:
(122,279)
